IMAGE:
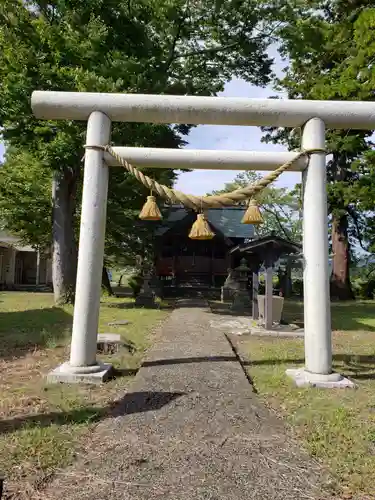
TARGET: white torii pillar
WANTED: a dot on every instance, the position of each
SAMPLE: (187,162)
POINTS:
(100,109)
(83,365)
(317,303)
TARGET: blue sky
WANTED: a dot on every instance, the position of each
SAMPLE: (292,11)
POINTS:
(200,182)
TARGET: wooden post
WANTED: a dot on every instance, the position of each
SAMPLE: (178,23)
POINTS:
(288,277)
(10,272)
(255,295)
(37,279)
(174,267)
(269,294)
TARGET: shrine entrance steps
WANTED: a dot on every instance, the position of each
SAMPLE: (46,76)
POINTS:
(190,427)
(192,291)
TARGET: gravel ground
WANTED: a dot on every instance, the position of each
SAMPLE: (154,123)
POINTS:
(189,427)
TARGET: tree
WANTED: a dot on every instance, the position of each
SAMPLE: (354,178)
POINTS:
(280,207)
(25,201)
(149,46)
(331,52)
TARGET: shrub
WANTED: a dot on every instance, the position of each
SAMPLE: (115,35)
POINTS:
(297,288)
(364,289)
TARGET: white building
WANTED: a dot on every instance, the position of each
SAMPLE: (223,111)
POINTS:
(22,265)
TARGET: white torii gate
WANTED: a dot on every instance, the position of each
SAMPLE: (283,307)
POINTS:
(101,109)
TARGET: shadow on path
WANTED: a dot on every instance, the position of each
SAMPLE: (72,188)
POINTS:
(136,402)
(181,361)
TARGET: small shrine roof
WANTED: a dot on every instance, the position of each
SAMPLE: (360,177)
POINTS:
(279,246)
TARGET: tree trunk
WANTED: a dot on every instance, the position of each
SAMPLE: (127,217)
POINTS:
(106,284)
(64,262)
(340,278)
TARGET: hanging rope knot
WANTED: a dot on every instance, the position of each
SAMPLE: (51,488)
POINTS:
(96,147)
(311,151)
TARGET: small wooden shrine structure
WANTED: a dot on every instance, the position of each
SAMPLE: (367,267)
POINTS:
(264,252)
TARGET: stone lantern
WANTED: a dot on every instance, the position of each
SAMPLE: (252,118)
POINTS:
(241,300)
(230,286)
(146,297)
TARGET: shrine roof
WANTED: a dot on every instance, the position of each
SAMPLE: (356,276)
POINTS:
(226,220)
(257,245)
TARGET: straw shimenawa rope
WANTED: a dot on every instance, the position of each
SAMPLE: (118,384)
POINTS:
(200,203)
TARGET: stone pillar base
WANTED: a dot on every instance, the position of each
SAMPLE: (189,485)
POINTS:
(303,378)
(65,373)
(241,302)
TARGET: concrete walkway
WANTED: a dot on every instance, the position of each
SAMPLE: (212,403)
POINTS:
(190,427)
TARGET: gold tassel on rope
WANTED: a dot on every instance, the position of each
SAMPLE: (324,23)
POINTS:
(201,229)
(150,210)
(252,214)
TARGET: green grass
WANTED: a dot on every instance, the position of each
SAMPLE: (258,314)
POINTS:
(337,426)
(40,424)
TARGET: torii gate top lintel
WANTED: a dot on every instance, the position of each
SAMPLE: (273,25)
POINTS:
(197,110)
